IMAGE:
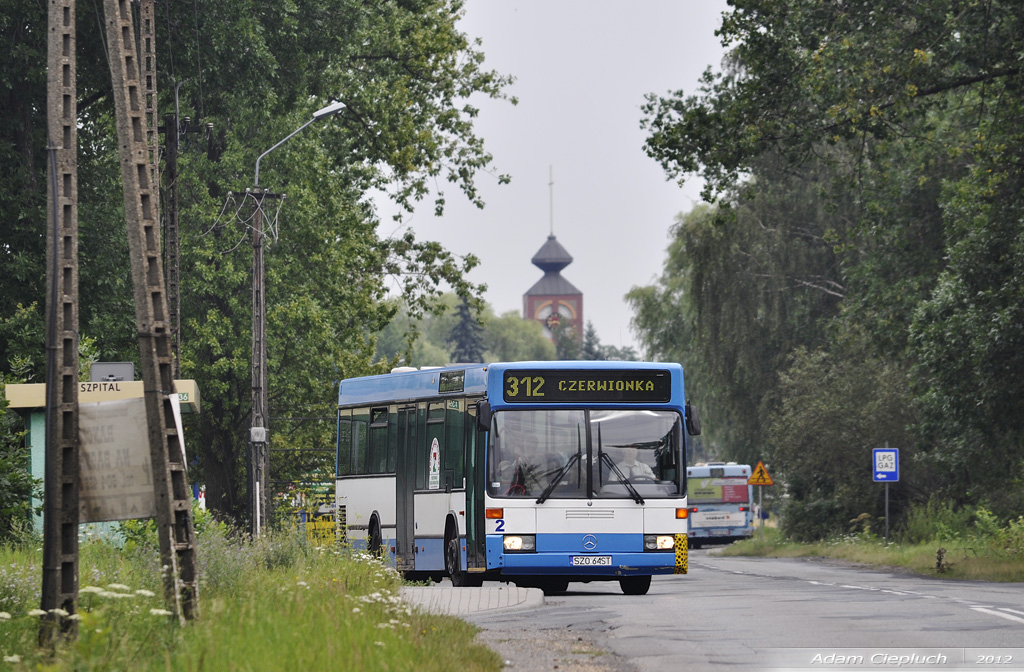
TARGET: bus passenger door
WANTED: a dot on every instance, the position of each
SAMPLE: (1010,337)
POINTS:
(476,441)
(405,482)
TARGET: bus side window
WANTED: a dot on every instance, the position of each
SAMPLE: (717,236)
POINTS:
(359,443)
(455,448)
(378,452)
(344,446)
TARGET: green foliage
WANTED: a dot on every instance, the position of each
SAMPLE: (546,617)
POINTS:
(940,538)
(405,74)
(836,406)
(567,342)
(510,338)
(283,604)
(17,486)
(871,157)
(592,349)
(467,336)
(935,520)
(741,288)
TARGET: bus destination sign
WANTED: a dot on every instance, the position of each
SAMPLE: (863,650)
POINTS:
(576,385)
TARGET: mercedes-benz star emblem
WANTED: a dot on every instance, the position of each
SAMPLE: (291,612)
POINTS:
(589,542)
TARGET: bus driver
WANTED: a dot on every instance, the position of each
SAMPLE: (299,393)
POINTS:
(631,468)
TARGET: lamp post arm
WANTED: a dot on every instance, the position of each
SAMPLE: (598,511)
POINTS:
(256,180)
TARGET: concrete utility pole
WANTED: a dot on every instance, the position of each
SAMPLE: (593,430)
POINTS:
(135,106)
(60,508)
(259,458)
(259,455)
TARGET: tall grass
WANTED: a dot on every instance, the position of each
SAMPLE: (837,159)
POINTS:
(274,604)
(937,540)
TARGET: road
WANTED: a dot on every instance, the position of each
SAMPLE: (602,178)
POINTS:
(773,614)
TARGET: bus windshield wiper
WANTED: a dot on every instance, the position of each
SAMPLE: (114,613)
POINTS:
(622,478)
(558,478)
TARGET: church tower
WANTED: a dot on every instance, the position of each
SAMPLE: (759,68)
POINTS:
(554,301)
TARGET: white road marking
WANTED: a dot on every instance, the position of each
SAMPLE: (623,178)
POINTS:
(999,614)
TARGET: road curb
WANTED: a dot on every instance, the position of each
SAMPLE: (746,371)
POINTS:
(446,599)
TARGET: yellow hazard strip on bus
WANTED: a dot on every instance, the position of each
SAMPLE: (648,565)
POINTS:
(682,554)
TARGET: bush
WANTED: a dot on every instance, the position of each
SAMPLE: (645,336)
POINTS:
(812,520)
(938,520)
(16,483)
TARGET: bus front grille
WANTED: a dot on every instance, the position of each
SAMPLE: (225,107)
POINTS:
(589,514)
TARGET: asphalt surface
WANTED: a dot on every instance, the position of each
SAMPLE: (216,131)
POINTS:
(443,598)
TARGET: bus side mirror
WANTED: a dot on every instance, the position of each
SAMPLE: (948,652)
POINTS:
(692,420)
(483,415)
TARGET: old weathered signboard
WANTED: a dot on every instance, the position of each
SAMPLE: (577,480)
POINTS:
(116,473)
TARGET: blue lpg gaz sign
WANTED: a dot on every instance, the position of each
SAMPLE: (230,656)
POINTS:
(886,465)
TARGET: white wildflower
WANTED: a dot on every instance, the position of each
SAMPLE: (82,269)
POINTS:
(160,612)
(4,616)
(145,593)
(117,586)
(36,612)
(12,659)
(60,612)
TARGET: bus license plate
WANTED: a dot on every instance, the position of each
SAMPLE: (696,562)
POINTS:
(591,560)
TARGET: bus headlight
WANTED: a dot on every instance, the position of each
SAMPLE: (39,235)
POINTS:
(659,542)
(520,543)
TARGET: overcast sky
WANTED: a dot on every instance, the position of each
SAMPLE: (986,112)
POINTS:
(582,68)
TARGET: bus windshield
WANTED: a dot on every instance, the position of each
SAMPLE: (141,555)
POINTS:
(560,454)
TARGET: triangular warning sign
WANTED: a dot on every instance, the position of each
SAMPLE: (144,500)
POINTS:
(760,476)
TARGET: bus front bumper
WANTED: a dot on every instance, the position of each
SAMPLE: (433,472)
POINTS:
(611,564)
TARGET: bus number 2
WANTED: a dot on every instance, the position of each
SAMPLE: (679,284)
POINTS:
(533,386)
(499,525)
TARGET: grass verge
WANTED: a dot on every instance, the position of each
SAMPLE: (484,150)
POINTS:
(972,558)
(275,604)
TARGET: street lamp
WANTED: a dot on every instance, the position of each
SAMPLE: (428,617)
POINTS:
(333,108)
(259,455)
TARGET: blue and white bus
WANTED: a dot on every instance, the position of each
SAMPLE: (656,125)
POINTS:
(720,503)
(538,473)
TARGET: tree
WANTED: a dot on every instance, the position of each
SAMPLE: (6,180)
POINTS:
(467,336)
(742,287)
(510,338)
(567,342)
(837,405)
(912,116)
(591,348)
(406,76)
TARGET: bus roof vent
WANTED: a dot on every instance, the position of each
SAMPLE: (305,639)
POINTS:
(403,369)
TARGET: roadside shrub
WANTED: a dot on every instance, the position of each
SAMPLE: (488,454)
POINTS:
(812,520)
(1015,536)
(990,532)
(17,486)
(937,520)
